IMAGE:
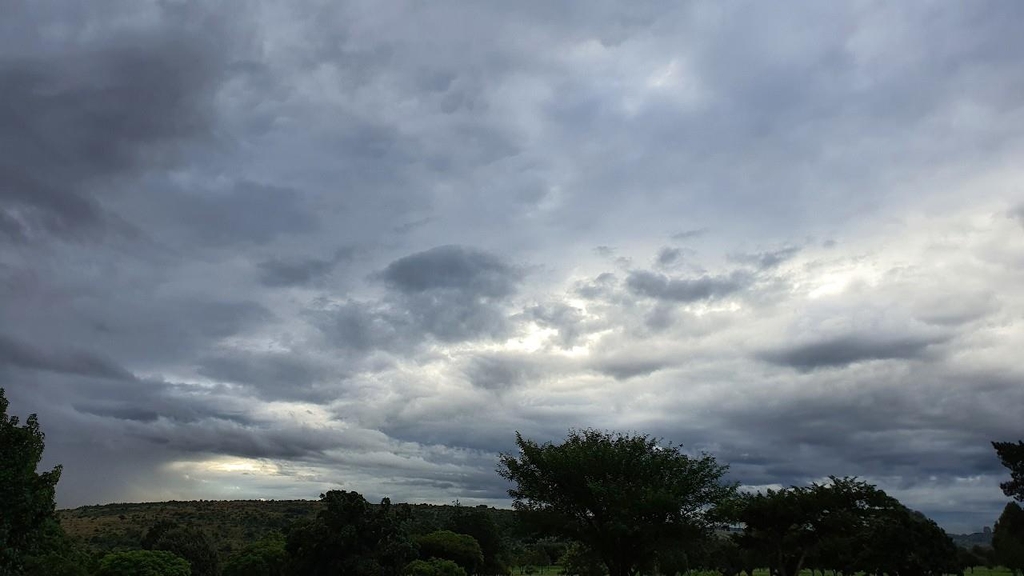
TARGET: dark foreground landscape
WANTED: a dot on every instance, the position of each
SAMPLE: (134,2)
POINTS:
(597,504)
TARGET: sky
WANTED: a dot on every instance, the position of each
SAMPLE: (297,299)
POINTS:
(263,250)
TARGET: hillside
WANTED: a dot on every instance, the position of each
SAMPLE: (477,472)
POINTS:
(230,523)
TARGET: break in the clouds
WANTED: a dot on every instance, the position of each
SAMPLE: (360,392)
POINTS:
(262,250)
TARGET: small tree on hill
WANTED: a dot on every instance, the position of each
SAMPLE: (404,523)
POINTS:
(622,496)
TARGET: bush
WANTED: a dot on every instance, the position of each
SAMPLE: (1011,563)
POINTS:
(434,567)
(143,563)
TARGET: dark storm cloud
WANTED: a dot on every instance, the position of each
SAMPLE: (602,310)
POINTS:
(78,362)
(846,350)
(72,120)
(661,287)
(470,272)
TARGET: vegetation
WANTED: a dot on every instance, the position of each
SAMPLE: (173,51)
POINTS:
(597,504)
(622,496)
(1012,456)
(143,563)
(26,497)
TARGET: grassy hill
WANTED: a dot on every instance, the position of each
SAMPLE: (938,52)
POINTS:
(230,523)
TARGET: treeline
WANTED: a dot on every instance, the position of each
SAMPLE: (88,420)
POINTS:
(598,504)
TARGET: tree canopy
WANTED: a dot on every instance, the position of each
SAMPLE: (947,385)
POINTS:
(143,563)
(350,537)
(1011,454)
(844,525)
(620,495)
(1008,538)
(26,496)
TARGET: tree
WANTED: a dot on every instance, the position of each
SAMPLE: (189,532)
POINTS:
(1012,456)
(266,557)
(792,525)
(143,563)
(1008,538)
(620,495)
(480,524)
(188,542)
(845,526)
(26,496)
(578,560)
(433,567)
(350,537)
(462,549)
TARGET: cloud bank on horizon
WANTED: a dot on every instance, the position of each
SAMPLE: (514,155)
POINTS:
(261,250)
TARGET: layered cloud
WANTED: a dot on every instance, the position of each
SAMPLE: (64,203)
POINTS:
(258,250)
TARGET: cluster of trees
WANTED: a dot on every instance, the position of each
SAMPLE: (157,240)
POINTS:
(599,503)
(634,506)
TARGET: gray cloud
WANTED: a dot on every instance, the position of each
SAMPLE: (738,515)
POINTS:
(668,256)
(661,287)
(846,350)
(470,272)
(65,361)
(769,259)
(74,118)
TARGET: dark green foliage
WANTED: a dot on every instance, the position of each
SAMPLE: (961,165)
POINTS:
(26,497)
(845,526)
(462,549)
(188,542)
(350,537)
(1008,538)
(143,563)
(790,525)
(621,495)
(266,557)
(480,524)
(433,567)
(580,561)
(53,553)
(1012,456)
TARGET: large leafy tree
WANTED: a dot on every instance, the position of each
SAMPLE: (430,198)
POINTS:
(26,496)
(623,496)
(1011,454)
(348,536)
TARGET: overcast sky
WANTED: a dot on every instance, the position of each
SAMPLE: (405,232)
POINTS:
(262,250)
